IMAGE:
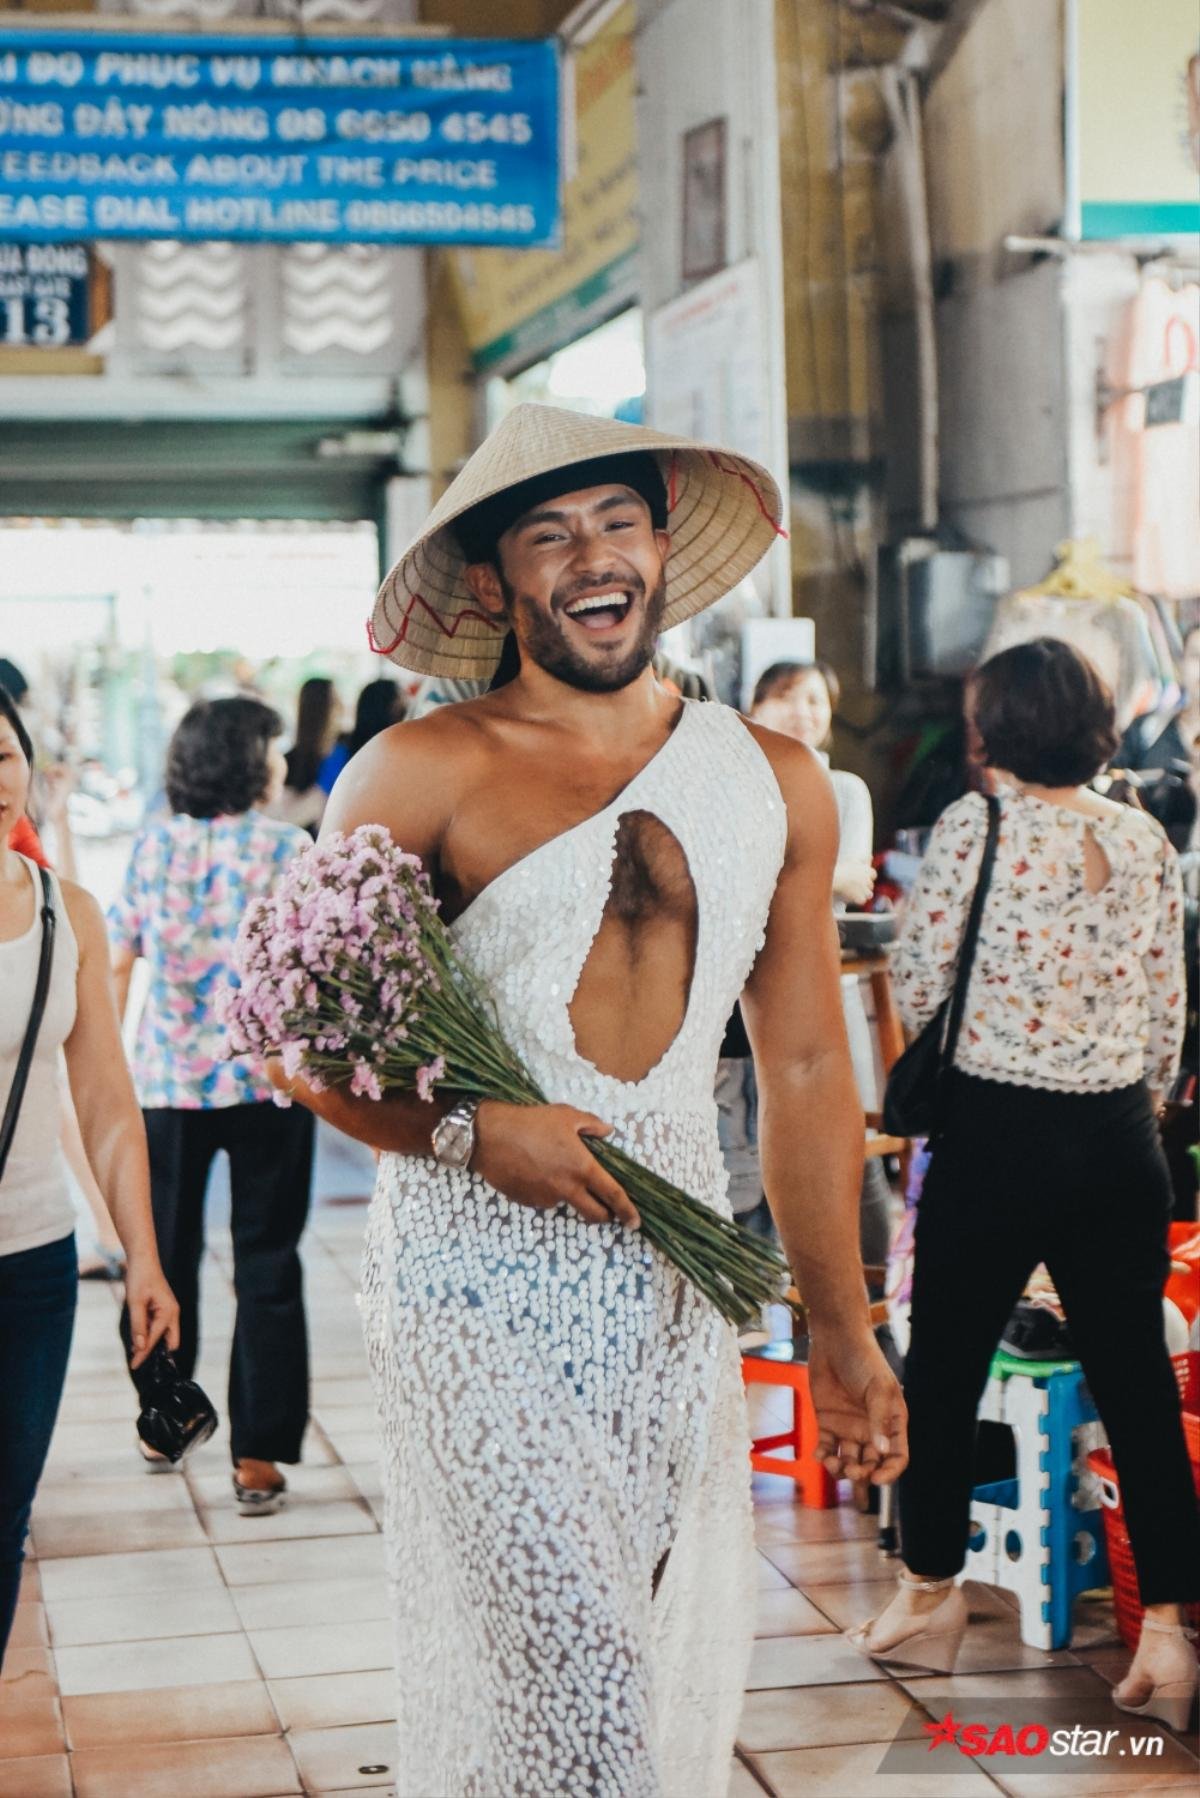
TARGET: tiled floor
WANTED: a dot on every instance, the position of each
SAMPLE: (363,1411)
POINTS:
(166,1648)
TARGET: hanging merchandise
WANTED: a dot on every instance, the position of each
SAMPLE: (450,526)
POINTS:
(1154,424)
(1083,602)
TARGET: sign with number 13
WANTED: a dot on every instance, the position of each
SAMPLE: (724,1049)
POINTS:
(44,295)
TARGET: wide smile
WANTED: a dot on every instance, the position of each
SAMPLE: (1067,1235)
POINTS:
(597,613)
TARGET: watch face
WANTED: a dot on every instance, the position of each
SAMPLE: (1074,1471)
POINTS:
(453,1142)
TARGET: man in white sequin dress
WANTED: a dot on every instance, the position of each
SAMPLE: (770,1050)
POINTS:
(563,1430)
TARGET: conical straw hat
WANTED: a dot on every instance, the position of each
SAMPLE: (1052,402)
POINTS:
(723,514)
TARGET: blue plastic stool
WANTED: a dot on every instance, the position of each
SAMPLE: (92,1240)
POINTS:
(1041,1535)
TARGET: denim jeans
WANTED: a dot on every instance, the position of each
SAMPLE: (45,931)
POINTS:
(38,1290)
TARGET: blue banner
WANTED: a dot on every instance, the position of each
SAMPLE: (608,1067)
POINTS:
(278,138)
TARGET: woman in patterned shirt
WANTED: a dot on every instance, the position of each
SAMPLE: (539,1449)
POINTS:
(1050,1148)
(189,880)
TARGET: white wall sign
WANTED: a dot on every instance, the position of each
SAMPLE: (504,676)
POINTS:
(707,371)
(767,640)
(707,376)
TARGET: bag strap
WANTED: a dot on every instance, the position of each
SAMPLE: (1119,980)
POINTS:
(12,1109)
(966,955)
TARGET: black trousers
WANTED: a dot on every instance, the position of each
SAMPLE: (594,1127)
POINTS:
(1078,1181)
(270,1165)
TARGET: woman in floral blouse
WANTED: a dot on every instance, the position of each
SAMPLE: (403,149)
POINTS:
(189,881)
(1050,1150)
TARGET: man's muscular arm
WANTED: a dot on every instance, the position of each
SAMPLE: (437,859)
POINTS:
(406,779)
(811,1128)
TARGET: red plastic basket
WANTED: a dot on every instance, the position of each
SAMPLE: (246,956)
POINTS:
(1127,1601)
(1187,1377)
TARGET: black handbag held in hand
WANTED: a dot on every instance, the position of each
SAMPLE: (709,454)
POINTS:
(912,1099)
(177,1415)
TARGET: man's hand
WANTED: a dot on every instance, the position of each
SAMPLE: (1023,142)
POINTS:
(536,1155)
(862,1422)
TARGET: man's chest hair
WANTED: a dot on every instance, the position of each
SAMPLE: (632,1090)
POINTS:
(650,874)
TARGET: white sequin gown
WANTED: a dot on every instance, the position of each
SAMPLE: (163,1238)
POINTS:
(559,1410)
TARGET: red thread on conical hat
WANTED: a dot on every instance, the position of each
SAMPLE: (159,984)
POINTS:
(745,478)
(447,630)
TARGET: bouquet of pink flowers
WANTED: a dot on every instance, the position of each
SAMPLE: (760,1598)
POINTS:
(347,974)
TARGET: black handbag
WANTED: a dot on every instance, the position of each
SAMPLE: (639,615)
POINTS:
(177,1415)
(41,987)
(915,1091)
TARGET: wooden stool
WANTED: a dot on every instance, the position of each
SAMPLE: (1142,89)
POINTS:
(890,1032)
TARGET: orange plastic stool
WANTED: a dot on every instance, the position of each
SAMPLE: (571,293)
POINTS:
(773,1365)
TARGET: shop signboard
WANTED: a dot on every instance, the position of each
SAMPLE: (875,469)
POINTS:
(517,309)
(45,291)
(1133,119)
(277,138)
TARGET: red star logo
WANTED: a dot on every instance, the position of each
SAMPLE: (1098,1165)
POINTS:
(943,1734)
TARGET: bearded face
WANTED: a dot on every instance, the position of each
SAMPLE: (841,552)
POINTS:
(583,584)
(550,638)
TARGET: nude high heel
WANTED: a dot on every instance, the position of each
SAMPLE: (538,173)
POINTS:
(1172,1702)
(931,1641)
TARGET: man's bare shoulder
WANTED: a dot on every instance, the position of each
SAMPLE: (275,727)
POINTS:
(807,792)
(411,776)
(449,730)
(802,775)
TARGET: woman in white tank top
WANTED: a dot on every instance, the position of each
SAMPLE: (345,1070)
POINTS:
(37,1247)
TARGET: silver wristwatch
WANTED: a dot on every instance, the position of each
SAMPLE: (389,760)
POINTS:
(453,1138)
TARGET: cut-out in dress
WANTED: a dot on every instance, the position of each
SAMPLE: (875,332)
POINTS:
(559,1410)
